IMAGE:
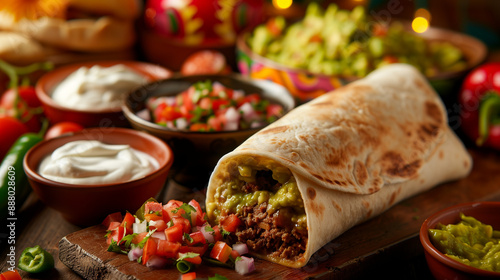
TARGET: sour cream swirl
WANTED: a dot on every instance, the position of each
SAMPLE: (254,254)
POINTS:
(90,162)
(97,87)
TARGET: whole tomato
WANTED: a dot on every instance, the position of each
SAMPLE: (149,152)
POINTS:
(11,129)
(28,109)
(205,62)
(62,128)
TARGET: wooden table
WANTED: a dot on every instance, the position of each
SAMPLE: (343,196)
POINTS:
(392,252)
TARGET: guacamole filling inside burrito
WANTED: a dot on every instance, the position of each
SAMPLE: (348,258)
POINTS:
(265,197)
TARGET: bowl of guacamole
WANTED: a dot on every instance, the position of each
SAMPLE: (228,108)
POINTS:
(330,47)
(463,241)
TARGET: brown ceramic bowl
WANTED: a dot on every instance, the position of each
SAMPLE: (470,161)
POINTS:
(90,118)
(440,265)
(89,204)
(196,153)
(305,85)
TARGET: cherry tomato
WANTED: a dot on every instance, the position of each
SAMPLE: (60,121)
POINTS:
(27,93)
(11,129)
(61,128)
(205,62)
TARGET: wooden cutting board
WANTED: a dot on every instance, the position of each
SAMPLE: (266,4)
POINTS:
(391,235)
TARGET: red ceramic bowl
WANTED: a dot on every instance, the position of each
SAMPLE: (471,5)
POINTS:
(440,265)
(95,118)
(85,205)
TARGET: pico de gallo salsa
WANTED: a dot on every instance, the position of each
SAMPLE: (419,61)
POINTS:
(210,106)
(175,234)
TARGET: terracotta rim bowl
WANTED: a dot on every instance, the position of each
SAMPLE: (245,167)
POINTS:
(96,118)
(198,152)
(439,264)
(89,204)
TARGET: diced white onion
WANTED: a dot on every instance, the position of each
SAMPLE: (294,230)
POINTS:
(232,119)
(134,253)
(207,234)
(238,94)
(241,248)
(140,227)
(156,262)
(248,111)
(159,235)
(244,265)
(181,123)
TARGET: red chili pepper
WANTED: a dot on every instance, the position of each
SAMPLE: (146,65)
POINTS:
(480,105)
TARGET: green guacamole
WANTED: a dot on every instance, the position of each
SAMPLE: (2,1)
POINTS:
(470,242)
(229,197)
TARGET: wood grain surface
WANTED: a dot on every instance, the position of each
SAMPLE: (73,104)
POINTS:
(392,236)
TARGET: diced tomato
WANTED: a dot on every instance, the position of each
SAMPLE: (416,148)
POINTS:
(128,221)
(221,251)
(117,234)
(186,225)
(215,123)
(205,103)
(148,250)
(231,223)
(159,225)
(316,38)
(189,276)
(139,237)
(158,110)
(113,225)
(115,217)
(14,275)
(194,249)
(274,110)
(234,254)
(199,127)
(167,248)
(218,103)
(197,237)
(170,209)
(153,217)
(273,27)
(152,207)
(195,260)
(200,215)
(187,99)
(217,234)
(174,233)
(169,113)
(252,98)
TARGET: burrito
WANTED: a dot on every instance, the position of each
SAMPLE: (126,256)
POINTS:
(335,162)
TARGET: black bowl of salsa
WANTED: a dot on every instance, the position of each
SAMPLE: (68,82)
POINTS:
(185,111)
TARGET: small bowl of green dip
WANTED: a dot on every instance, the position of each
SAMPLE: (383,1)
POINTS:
(463,241)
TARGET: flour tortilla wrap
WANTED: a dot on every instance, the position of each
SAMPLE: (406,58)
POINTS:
(354,153)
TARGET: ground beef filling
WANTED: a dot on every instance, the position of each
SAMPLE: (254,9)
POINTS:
(272,234)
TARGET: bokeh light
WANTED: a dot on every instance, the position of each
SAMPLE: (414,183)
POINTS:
(420,24)
(282,4)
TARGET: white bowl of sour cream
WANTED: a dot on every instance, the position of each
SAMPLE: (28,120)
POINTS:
(92,93)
